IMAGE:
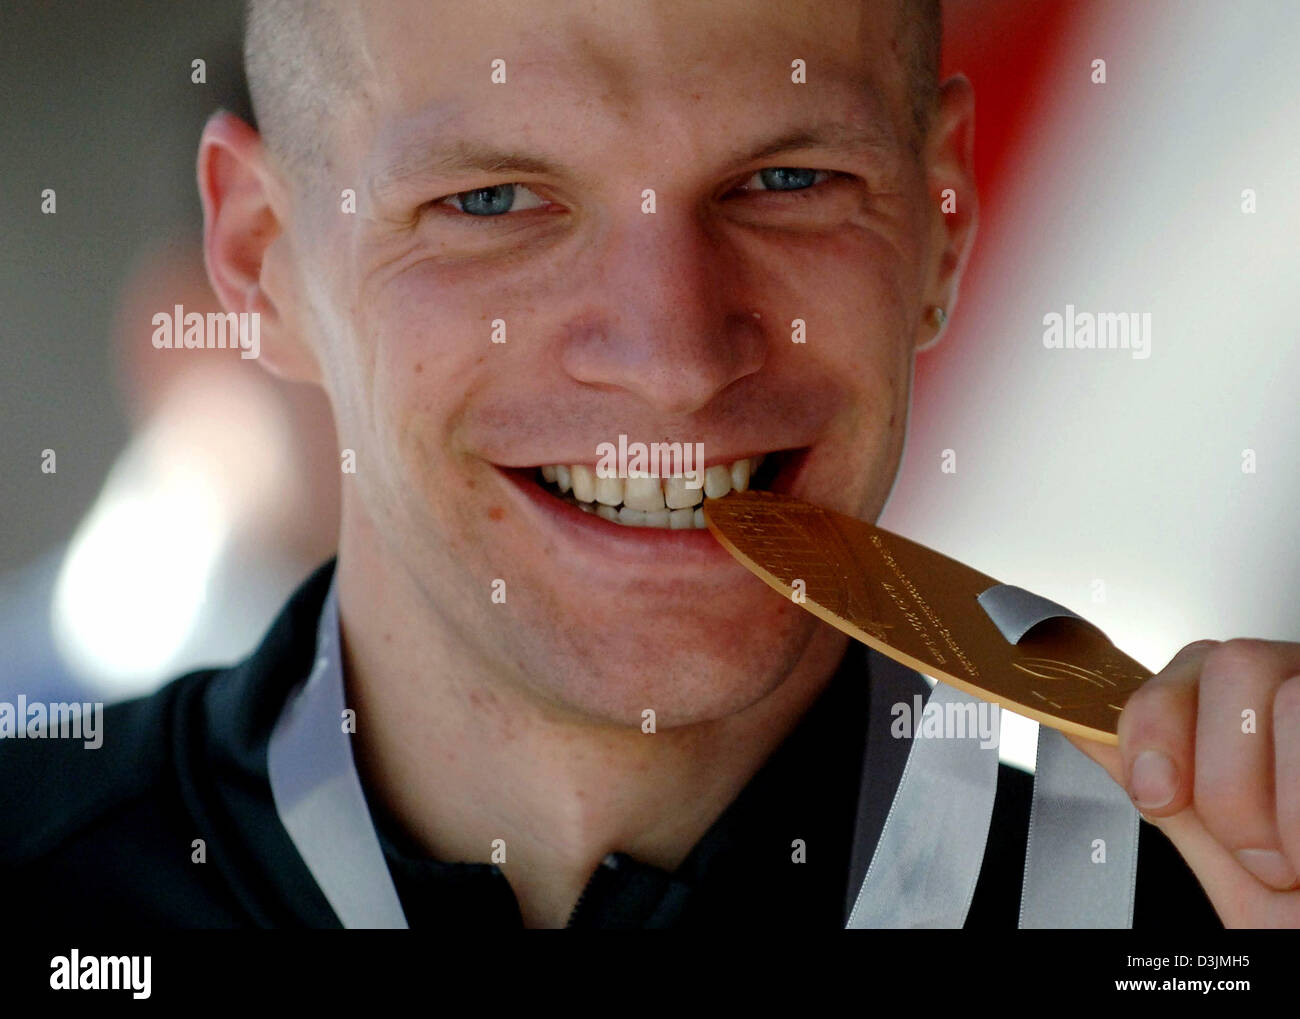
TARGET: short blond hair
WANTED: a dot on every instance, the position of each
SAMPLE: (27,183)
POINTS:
(301,68)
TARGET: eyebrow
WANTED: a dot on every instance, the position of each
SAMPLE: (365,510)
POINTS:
(428,160)
(830,135)
(464,156)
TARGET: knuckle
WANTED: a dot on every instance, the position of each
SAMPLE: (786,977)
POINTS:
(1238,660)
(1218,792)
(1155,698)
(1286,704)
(1226,809)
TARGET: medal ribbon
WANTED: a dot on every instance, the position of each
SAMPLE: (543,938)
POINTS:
(925,864)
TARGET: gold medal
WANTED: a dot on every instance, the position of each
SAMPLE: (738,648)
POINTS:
(921,609)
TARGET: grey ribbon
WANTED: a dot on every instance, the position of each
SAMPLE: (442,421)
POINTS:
(1081,858)
(1016,611)
(922,872)
(318,793)
(1081,861)
(928,858)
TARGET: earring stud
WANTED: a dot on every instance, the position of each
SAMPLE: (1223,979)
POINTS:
(938,316)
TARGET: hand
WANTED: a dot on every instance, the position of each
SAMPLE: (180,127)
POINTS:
(1209,751)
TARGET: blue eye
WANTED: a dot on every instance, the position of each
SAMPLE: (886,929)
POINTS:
(785,178)
(495,200)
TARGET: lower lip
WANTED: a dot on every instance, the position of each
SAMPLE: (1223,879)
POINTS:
(615,542)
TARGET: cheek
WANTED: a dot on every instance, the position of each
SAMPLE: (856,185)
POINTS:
(850,286)
(432,361)
(429,345)
(860,329)
(865,285)
(855,296)
(869,316)
(424,339)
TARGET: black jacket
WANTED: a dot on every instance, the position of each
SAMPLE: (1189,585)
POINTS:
(108,838)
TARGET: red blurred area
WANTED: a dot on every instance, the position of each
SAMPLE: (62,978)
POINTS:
(1008,49)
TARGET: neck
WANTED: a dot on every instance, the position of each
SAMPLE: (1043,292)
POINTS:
(461,758)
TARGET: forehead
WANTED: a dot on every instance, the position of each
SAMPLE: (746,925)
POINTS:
(605,71)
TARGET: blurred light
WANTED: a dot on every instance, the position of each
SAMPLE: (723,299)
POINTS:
(133,584)
(131,605)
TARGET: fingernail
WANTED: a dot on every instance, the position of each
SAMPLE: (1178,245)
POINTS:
(1154,781)
(1269,866)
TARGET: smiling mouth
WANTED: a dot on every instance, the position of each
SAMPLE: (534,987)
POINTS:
(665,503)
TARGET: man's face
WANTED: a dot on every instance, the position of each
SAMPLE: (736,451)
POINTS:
(674,325)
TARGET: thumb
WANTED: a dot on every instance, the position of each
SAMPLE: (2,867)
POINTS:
(1103,754)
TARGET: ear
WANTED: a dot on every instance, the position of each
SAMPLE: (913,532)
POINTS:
(245,245)
(950,182)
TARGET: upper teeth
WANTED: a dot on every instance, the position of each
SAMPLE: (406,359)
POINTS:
(650,502)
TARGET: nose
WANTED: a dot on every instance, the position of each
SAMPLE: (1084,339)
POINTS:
(666,319)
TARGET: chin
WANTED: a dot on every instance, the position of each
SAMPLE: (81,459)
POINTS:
(686,678)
